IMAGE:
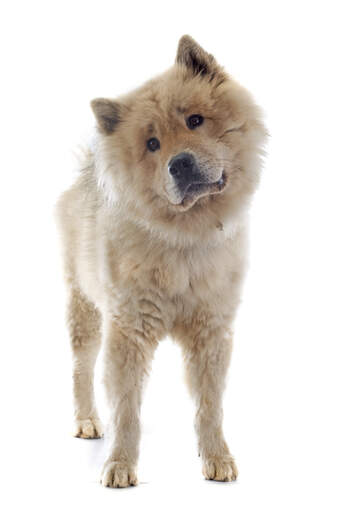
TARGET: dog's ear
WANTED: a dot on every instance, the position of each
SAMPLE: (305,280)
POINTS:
(107,113)
(194,57)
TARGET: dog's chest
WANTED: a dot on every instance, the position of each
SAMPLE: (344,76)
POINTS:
(195,272)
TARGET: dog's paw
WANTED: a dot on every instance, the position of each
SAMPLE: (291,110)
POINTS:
(118,474)
(222,469)
(91,428)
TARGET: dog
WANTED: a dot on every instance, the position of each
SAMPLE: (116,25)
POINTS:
(154,234)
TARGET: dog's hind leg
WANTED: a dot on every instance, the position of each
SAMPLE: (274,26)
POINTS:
(84,322)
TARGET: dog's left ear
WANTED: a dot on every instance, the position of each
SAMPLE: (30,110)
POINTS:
(194,57)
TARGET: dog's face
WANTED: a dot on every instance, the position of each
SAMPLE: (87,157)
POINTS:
(185,142)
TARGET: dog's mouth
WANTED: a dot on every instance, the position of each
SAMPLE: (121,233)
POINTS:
(196,190)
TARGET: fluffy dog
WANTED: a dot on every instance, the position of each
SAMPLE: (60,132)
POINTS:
(154,238)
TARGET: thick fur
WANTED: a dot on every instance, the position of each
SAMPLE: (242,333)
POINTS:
(141,264)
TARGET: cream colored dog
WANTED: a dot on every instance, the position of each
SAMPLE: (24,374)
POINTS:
(154,236)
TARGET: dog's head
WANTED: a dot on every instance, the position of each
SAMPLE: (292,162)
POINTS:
(186,145)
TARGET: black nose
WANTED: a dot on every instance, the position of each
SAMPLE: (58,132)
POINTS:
(182,167)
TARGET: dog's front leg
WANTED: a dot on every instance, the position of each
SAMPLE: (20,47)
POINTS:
(207,349)
(128,357)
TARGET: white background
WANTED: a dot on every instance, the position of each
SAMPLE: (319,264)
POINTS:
(286,406)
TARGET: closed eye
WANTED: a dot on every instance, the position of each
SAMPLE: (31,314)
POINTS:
(231,130)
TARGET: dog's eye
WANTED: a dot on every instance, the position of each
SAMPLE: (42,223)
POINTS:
(153,144)
(194,121)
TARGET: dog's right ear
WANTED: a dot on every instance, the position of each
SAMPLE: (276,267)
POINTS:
(107,113)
